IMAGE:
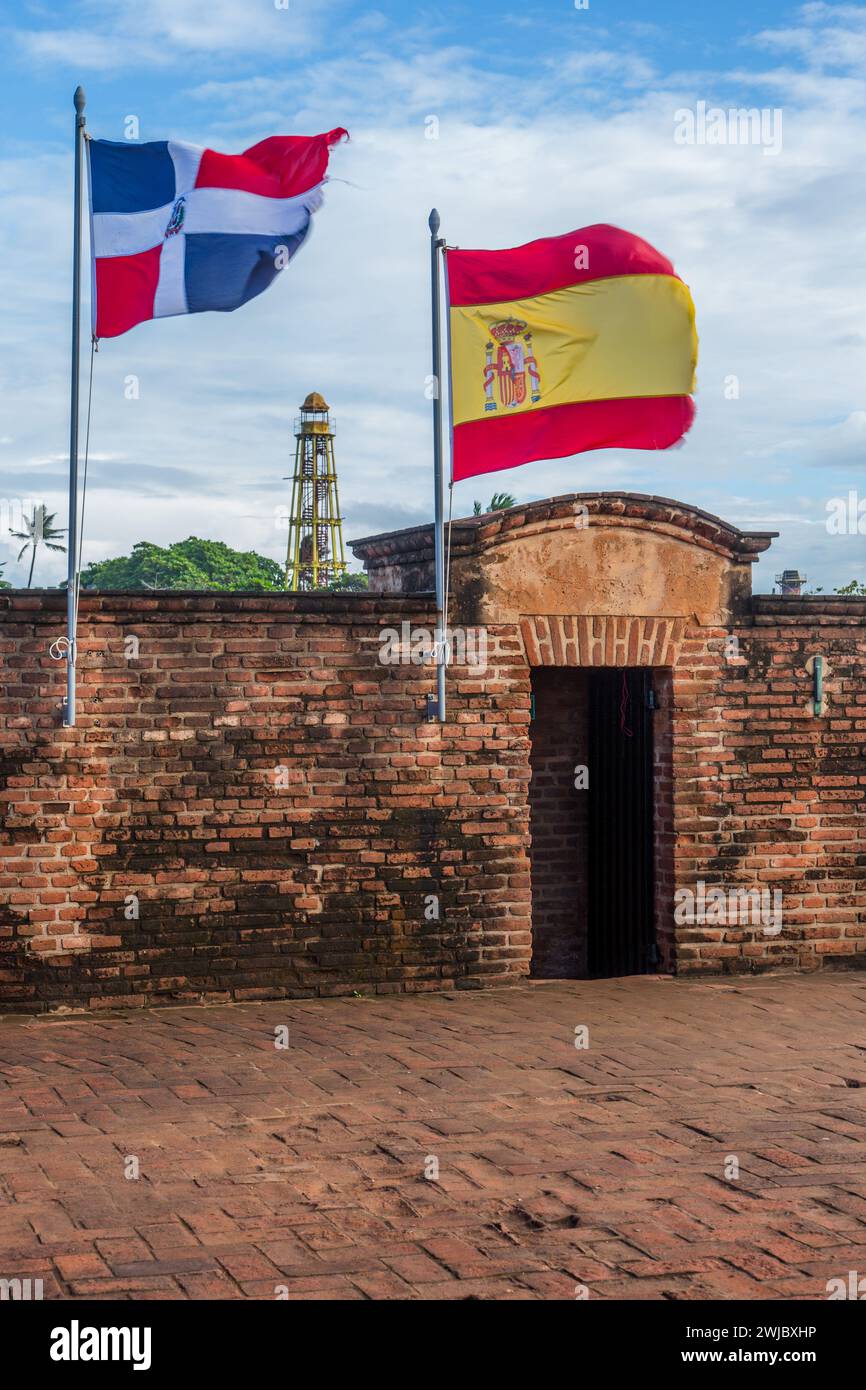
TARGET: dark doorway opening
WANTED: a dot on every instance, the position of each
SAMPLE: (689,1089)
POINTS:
(593,820)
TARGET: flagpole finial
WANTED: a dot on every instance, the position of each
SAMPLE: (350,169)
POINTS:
(79,99)
(433,223)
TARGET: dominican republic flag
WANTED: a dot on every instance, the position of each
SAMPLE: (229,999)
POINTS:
(176,229)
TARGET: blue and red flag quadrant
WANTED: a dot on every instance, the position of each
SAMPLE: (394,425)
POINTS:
(176,229)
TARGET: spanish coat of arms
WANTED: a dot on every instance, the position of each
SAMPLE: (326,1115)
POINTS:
(513,369)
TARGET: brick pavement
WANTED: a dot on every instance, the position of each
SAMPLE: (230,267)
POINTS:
(300,1172)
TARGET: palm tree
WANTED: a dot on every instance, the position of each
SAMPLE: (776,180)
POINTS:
(40,528)
(499,502)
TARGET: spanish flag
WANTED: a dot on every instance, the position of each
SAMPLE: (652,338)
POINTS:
(583,341)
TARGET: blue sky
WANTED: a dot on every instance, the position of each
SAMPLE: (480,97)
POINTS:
(549,118)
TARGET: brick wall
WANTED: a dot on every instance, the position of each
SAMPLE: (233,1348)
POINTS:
(753,792)
(265,794)
(766,797)
(165,799)
(559,823)
(664,832)
(769,795)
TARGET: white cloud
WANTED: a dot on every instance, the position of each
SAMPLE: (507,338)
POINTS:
(772,249)
(630,69)
(826,36)
(839,444)
(108,35)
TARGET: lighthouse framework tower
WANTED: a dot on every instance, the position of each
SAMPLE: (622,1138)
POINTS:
(315,554)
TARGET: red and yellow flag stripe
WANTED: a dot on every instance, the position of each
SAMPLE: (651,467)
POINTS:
(580,342)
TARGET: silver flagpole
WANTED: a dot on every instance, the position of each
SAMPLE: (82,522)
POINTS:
(72,534)
(436,243)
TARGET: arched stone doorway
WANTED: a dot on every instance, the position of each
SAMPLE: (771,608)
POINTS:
(618,606)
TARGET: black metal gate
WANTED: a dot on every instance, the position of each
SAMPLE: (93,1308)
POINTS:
(621,879)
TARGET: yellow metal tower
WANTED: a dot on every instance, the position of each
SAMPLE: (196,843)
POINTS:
(315,554)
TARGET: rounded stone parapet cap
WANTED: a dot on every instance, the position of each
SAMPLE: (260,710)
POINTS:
(638,510)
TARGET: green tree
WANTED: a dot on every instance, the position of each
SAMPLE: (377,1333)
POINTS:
(4,583)
(349,582)
(499,502)
(189,564)
(39,530)
(856,589)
